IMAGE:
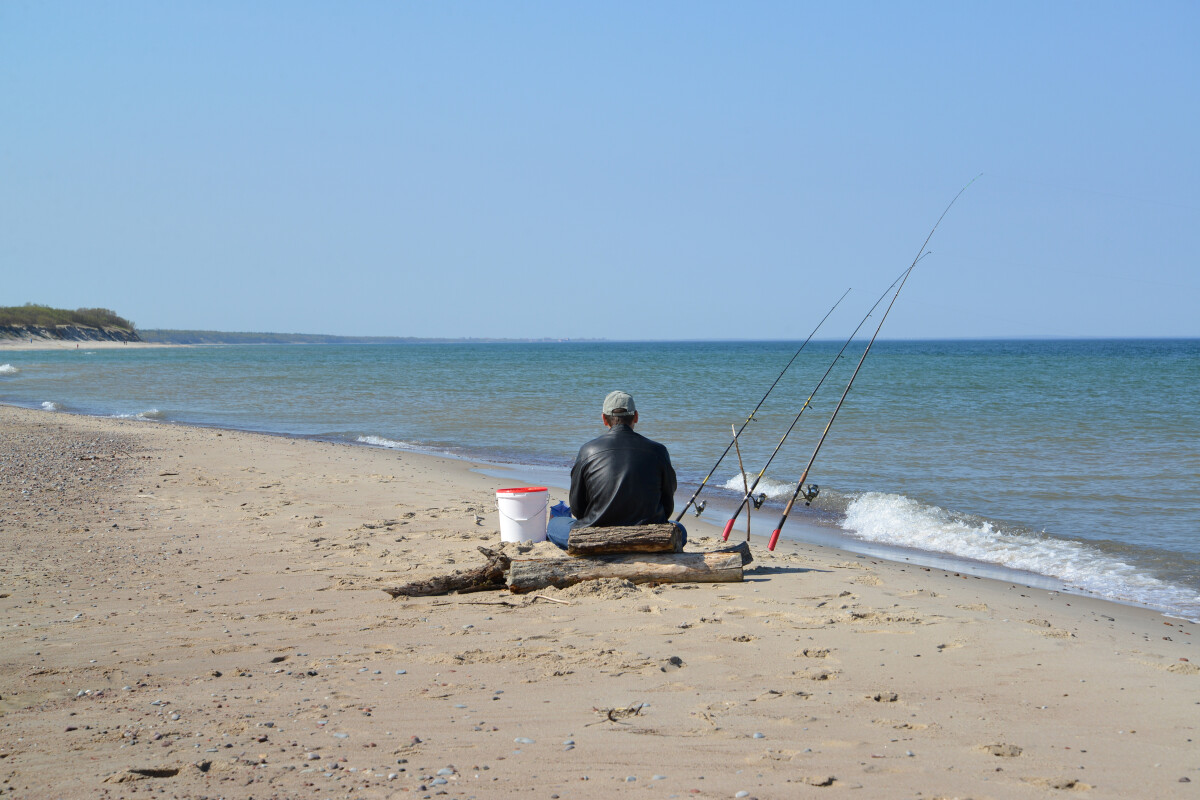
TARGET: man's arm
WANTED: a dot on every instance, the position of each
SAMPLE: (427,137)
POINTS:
(668,484)
(579,495)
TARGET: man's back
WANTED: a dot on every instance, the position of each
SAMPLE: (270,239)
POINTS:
(622,478)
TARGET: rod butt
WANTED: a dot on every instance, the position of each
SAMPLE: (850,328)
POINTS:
(774,539)
(728,528)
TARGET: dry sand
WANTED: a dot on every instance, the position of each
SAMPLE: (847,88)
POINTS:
(9,343)
(194,613)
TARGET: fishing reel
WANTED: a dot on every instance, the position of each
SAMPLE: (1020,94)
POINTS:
(809,493)
(759,500)
(698,509)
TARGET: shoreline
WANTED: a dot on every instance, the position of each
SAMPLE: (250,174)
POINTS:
(213,598)
(810,533)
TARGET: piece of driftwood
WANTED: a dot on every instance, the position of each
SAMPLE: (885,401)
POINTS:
(723,566)
(661,538)
(489,577)
(741,548)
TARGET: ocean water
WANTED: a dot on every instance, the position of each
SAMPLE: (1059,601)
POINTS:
(1076,463)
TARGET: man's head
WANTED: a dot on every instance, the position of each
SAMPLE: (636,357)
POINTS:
(619,409)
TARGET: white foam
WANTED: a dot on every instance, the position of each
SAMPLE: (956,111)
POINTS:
(903,522)
(772,488)
(8,369)
(412,447)
(50,406)
(151,414)
(379,441)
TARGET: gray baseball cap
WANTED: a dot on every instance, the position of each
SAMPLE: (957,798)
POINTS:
(619,404)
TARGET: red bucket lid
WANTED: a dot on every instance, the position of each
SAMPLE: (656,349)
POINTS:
(522,490)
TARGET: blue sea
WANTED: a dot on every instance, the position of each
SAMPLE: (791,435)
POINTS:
(1067,464)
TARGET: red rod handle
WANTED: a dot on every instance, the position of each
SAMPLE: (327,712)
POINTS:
(774,539)
(728,528)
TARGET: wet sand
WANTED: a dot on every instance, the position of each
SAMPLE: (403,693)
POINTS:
(192,613)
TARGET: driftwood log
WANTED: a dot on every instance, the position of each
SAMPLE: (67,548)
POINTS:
(489,577)
(723,566)
(662,538)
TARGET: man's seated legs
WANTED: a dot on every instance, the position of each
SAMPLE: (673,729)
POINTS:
(559,530)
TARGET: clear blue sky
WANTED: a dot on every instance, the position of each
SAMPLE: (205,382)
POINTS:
(607,169)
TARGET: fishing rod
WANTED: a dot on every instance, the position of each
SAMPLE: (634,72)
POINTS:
(749,419)
(748,497)
(810,492)
(742,469)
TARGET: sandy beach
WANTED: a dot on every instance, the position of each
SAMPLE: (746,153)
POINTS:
(196,613)
(9,343)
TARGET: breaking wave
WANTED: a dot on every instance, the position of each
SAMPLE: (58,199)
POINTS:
(773,489)
(151,414)
(379,441)
(51,406)
(8,369)
(411,447)
(900,521)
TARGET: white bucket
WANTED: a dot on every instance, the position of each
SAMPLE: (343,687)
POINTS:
(523,513)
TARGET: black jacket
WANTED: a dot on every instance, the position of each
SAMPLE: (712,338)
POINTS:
(622,478)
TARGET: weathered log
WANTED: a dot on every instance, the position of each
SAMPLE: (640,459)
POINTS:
(661,538)
(489,577)
(530,574)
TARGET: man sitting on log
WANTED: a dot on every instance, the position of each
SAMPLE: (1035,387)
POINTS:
(620,478)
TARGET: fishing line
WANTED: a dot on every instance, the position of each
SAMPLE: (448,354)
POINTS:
(810,492)
(748,497)
(749,419)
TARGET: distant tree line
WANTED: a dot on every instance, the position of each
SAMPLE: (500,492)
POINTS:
(169,336)
(38,316)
